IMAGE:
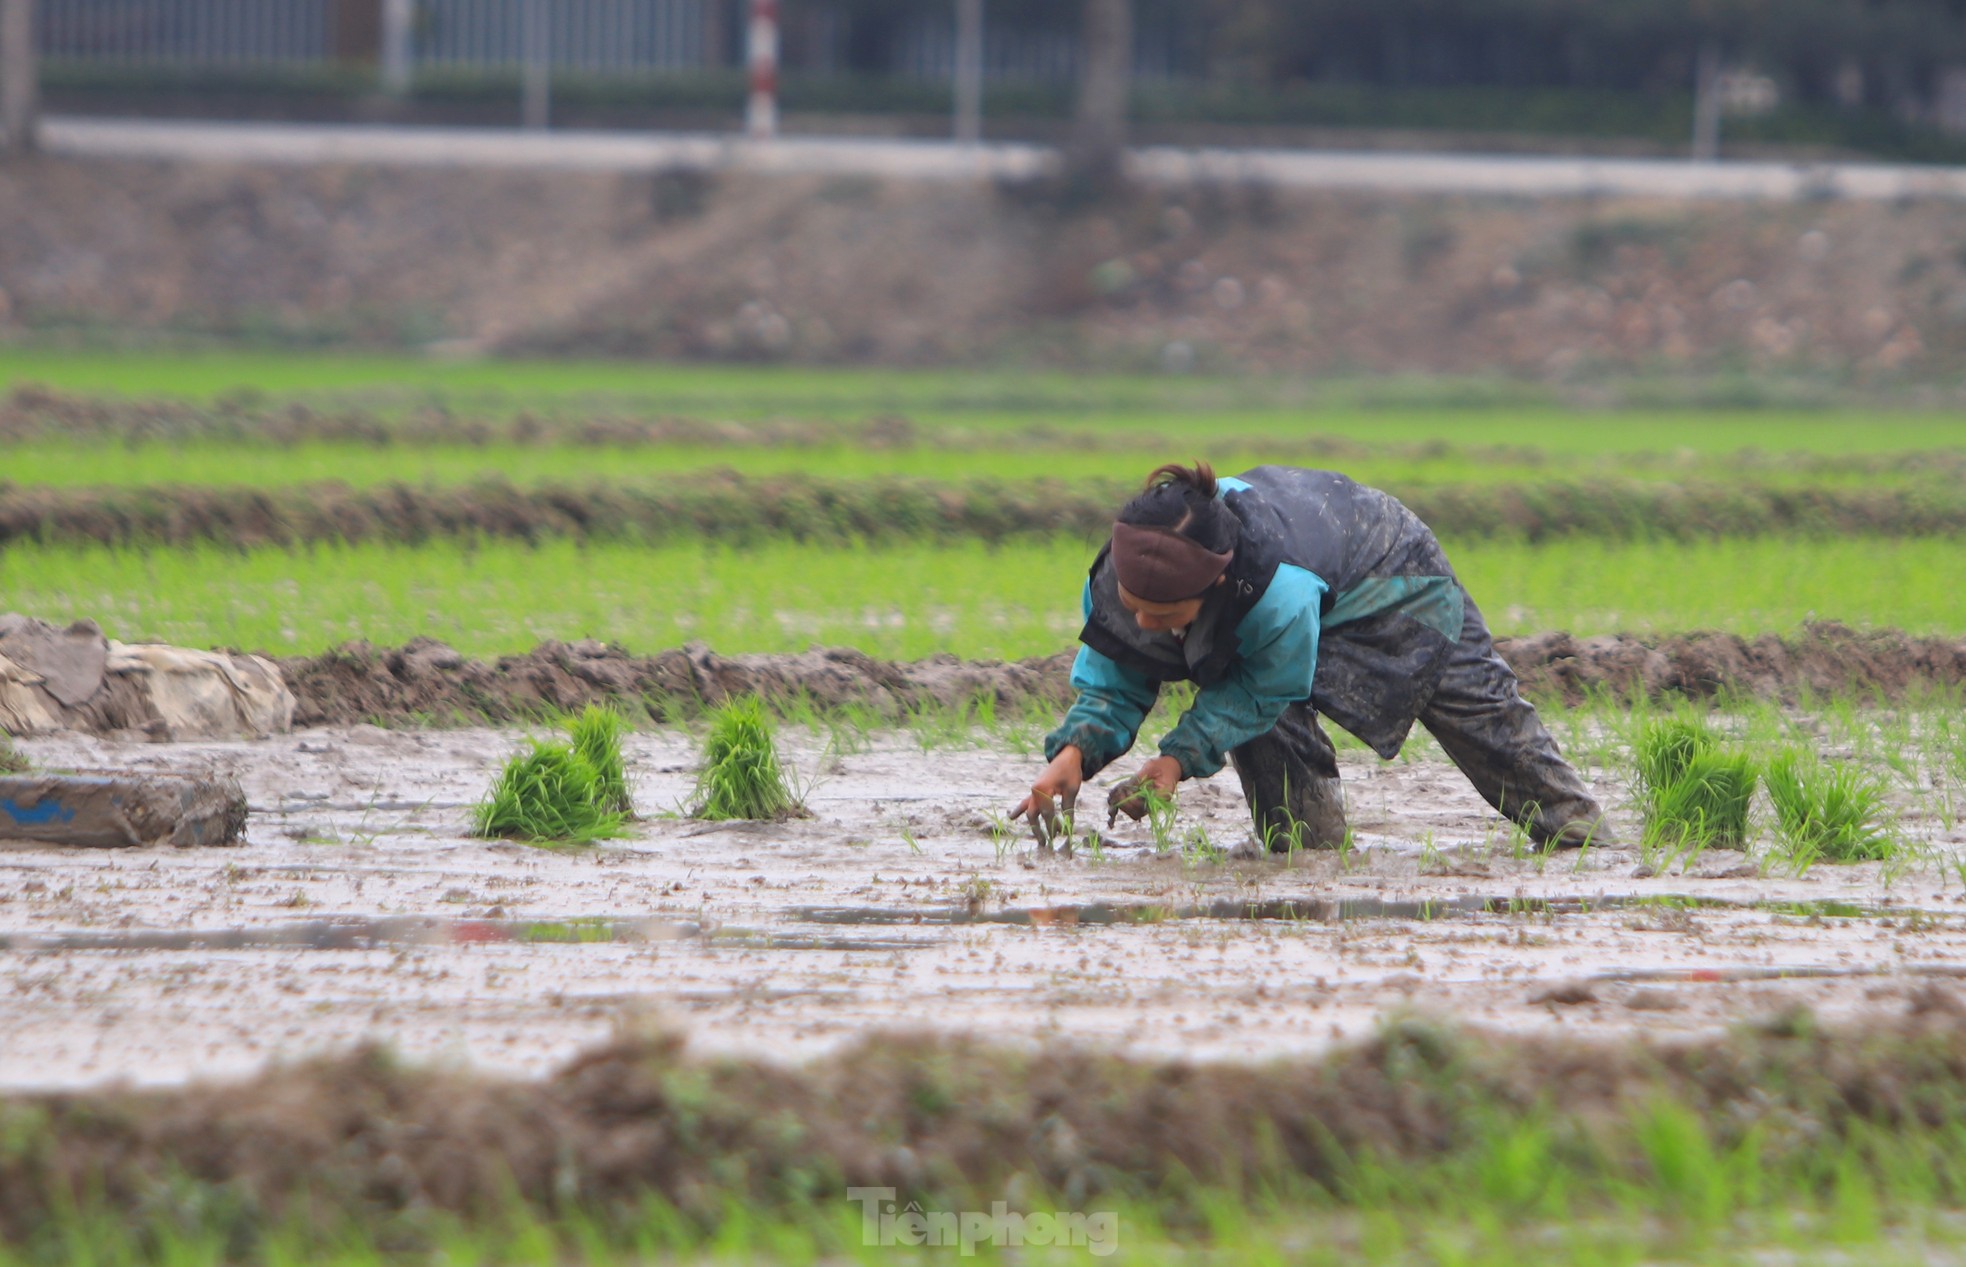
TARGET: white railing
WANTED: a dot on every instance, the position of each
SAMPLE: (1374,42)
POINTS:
(597,36)
(188,32)
(584,35)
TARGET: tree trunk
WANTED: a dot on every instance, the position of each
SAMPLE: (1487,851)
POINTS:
(1706,104)
(20,84)
(536,77)
(969,71)
(1105,74)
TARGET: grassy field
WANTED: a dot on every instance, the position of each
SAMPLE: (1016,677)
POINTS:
(904,601)
(1472,414)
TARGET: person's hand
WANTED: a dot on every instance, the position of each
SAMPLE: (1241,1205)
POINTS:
(1056,790)
(1162,774)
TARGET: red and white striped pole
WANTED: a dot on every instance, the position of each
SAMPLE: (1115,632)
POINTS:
(761,117)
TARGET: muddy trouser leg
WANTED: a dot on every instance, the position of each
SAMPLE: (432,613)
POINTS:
(1498,741)
(1290,779)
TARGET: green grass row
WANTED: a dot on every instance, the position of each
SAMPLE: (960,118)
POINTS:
(1852,1217)
(1774,1145)
(1467,413)
(74,464)
(904,601)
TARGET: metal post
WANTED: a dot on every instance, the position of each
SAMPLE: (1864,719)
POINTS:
(539,60)
(761,113)
(20,85)
(1706,104)
(398,19)
(969,71)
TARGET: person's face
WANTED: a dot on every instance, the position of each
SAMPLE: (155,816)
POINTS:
(1162,617)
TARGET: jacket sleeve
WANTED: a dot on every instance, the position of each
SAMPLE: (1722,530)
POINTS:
(1113,701)
(1277,661)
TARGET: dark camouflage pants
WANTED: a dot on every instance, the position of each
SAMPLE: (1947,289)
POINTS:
(1290,776)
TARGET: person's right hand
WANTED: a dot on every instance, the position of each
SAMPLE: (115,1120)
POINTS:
(1056,789)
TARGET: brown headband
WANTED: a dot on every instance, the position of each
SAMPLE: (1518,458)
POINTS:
(1162,566)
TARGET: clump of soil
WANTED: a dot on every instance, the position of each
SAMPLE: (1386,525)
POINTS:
(364,1138)
(426,682)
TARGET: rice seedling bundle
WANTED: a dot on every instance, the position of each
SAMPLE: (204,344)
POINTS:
(574,791)
(596,736)
(742,777)
(1828,811)
(1697,796)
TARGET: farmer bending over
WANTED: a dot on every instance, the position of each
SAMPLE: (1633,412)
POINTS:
(1285,593)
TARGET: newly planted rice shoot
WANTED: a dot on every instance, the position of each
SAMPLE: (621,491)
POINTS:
(1828,811)
(742,777)
(596,735)
(551,792)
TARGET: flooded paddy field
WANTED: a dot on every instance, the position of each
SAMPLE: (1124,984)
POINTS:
(359,910)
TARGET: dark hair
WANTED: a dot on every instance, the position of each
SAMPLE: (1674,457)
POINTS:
(1183,498)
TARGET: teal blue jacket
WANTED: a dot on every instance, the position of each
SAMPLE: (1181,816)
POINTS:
(1380,595)
(1277,662)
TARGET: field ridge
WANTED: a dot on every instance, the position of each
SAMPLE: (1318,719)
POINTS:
(426,682)
(727,507)
(958,1117)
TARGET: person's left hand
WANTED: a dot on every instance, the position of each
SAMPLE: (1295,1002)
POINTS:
(1163,774)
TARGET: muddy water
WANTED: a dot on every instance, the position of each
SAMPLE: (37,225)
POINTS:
(358,910)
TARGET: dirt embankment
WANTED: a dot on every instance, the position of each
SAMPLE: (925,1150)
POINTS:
(426,682)
(813,269)
(356,1139)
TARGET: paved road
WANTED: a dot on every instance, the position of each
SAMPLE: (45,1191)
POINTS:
(199,141)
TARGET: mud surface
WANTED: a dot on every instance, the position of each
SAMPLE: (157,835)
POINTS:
(425,682)
(358,910)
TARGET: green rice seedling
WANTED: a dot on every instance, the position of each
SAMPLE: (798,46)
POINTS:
(742,778)
(11,760)
(1003,833)
(1200,847)
(1160,817)
(596,735)
(1829,811)
(549,793)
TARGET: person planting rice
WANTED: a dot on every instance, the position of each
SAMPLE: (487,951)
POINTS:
(1283,594)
